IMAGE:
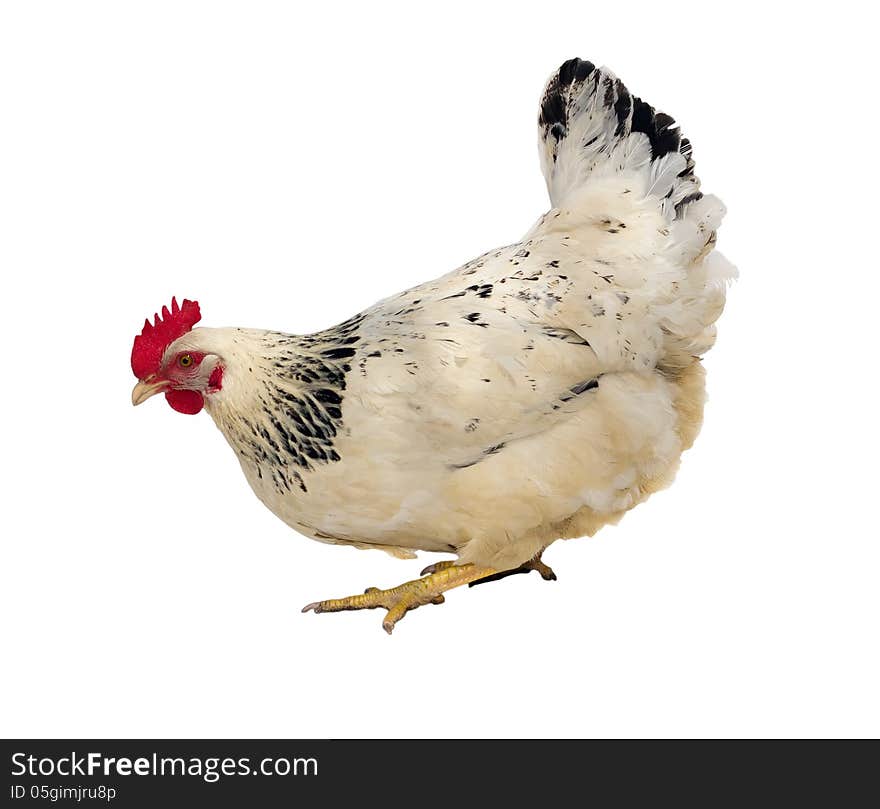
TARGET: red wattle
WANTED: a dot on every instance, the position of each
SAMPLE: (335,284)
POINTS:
(185,401)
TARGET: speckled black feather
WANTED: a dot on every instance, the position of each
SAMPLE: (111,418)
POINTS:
(630,115)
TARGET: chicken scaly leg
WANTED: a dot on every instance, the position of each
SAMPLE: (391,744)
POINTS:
(545,571)
(408,596)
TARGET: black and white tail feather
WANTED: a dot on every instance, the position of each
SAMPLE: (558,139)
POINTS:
(591,126)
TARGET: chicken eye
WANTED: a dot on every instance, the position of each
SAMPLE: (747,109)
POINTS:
(185,360)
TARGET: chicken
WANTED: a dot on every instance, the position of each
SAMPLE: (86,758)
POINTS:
(536,393)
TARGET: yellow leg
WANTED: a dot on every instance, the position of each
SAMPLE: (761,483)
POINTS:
(408,596)
(545,571)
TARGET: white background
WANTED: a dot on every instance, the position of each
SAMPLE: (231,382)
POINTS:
(288,164)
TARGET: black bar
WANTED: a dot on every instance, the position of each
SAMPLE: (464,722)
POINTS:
(455,772)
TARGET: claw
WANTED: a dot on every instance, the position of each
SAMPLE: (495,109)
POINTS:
(436,567)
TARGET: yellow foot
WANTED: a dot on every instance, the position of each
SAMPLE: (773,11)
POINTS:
(409,596)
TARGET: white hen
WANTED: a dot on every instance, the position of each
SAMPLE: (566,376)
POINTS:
(536,393)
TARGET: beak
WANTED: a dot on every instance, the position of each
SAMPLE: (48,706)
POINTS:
(147,388)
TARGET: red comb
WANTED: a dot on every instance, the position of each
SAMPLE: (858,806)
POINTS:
(150,344)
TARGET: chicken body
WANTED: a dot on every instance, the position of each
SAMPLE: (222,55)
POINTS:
(538,392)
